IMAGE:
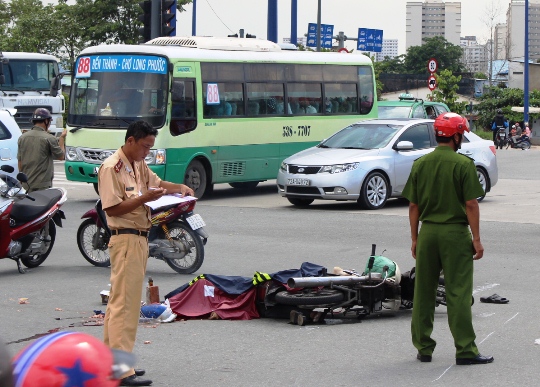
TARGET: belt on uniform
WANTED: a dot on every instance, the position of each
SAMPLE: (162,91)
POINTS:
(130,231)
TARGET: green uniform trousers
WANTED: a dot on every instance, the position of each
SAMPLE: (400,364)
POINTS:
(129,254)
(446,247)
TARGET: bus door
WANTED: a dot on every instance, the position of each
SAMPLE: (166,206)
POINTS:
(183,101)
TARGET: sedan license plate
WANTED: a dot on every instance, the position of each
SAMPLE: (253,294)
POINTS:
(296,181)
(96,170)
(196,221)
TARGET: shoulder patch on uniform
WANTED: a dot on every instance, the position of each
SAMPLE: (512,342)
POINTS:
(118,166)
(469,157)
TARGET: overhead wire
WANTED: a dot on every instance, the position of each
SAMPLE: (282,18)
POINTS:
(226,26)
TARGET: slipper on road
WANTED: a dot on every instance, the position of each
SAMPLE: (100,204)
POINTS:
(494,299)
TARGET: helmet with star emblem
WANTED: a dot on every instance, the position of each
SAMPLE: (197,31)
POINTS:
(69,359)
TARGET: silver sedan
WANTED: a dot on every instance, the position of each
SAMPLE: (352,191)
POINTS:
(370,162)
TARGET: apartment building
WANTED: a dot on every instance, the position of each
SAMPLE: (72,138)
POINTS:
(389,49)
(433,18)
(515,18)
(475,55)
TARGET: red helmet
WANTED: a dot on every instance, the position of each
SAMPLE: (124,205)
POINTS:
(70,359)
(448,124)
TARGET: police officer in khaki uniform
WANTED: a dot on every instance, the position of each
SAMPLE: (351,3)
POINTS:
(442,190)
(37,149)
(125,184)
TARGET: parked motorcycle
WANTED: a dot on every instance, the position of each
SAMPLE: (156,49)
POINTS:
(177,236)
(501,139)
(356,294)
(522,143)
(28,222)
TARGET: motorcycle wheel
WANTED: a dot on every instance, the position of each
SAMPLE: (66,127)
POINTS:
(186,239)
(36,260)
(310,297)
(441,293)
(99,256)
(525,145)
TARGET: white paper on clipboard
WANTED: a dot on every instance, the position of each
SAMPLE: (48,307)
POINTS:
(167,200)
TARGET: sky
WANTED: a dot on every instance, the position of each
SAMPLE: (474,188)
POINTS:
(225,17)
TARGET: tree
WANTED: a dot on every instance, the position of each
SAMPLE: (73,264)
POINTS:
(480,75)
(448,56)
(447,86)
(499,98)
(29,28)
(391,66)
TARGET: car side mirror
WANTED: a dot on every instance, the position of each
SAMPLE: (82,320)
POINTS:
(55,86)
(403,146)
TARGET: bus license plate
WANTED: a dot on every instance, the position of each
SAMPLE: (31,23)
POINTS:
(296,181)
(196,221)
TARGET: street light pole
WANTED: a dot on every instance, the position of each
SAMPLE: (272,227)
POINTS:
(526,66)
(319,26)
(194,19)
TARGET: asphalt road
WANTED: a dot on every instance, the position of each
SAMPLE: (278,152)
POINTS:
(261,231)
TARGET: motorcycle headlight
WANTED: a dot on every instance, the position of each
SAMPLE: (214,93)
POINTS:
(283,167)
(71,154)
(338,168)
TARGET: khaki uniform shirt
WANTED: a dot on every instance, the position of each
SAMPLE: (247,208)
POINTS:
(440,183)
(37,150)
(119,181)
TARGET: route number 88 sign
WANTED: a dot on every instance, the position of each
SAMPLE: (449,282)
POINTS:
(212,94)
(83,67)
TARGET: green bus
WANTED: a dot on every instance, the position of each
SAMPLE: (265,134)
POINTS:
(228,110)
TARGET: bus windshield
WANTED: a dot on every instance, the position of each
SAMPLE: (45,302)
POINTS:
(113,99)
(27,74)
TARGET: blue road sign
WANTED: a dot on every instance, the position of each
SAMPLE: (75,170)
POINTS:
(327,33)
(370,40)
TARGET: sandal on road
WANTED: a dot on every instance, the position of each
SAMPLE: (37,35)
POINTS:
(494,299)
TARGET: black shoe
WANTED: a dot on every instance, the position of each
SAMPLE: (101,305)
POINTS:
(424,358)
(134,380)
(479,359)
(139,372)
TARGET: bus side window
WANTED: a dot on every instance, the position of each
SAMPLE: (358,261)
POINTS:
(183,117)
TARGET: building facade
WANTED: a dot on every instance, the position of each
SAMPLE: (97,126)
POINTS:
(475,55)
(389,49)
(515,17)
(433,18)
(500,42)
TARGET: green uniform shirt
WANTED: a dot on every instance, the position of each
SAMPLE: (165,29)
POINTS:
(36,152)
(440,183)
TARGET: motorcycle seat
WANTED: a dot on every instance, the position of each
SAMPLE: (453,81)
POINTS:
(26,210)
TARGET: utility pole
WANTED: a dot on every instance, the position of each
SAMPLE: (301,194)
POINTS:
(526,68)
(319,27)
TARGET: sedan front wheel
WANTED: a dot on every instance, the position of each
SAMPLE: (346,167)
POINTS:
(374,192)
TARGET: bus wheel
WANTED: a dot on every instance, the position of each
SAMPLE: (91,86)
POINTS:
(246,185)
(196,178)
(96,188)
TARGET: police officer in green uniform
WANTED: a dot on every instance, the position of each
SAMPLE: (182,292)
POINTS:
(442,190)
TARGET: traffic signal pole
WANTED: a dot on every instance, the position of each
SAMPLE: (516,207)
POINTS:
(155,19)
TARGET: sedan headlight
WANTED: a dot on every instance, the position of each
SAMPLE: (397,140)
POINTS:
(156,157)
(284,167)
(339,168)
(71,154)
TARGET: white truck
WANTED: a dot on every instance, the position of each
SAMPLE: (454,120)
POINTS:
(29,81)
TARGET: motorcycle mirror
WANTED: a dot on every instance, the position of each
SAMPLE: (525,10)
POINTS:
(7,168)
(22,177)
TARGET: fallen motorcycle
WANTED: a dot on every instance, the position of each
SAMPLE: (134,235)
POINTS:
(522,143)
(372,292)
(28,222)
(177,236)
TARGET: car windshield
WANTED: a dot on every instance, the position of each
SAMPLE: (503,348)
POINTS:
(362,136)
(394,111)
